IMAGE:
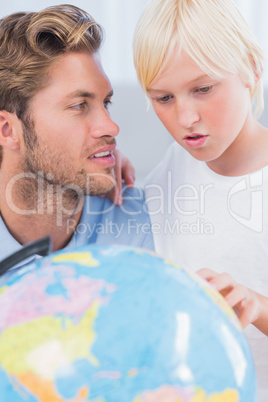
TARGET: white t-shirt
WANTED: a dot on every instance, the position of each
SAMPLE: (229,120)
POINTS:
(203,219)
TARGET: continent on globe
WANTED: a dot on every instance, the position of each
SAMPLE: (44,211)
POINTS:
(175,394)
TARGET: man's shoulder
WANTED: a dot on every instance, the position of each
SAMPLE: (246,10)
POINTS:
(133,199)
(105,223)
(133,203)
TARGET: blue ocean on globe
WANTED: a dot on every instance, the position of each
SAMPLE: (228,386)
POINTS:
(118,324)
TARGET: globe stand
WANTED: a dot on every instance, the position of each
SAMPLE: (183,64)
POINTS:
(41,247)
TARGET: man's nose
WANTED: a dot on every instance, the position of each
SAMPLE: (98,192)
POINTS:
(104,126)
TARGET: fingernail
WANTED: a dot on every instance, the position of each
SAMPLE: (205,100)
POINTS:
(119,201)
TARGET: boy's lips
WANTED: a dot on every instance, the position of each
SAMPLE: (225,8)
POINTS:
(195,140)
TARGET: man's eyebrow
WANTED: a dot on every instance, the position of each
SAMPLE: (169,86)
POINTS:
(86,94)
(110,94)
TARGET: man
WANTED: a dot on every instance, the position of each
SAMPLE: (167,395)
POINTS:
(57,138)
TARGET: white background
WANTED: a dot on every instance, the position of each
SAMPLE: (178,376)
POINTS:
(142,136)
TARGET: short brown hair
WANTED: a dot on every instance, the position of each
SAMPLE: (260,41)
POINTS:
(29,45)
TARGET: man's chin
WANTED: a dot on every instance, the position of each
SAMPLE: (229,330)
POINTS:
(102,187)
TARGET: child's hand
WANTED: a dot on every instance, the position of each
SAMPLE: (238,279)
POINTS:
(244,301)
(123,171)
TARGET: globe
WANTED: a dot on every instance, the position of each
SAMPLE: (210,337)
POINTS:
(118,324)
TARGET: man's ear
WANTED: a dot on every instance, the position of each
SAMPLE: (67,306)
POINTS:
(10,128)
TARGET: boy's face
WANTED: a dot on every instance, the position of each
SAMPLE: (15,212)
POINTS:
(72,126)
(206,116)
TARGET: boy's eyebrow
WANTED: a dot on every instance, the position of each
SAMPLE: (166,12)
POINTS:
(199,78)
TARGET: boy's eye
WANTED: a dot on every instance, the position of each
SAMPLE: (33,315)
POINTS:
(204,89)
(164,99)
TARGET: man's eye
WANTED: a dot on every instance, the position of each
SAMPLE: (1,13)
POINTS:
(107,103)
(80,106)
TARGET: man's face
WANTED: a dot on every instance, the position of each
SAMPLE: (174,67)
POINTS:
(74,132)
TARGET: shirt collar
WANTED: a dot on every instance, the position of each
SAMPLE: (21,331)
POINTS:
(9,245)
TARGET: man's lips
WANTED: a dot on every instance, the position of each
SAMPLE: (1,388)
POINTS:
(103,152)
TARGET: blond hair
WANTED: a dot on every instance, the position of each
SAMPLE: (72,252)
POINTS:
(212,32)
(29,45)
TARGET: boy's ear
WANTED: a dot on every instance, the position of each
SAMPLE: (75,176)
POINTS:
(9,130)
(256,80)
(257,73)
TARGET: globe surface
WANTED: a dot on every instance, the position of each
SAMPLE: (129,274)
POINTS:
(118,324)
